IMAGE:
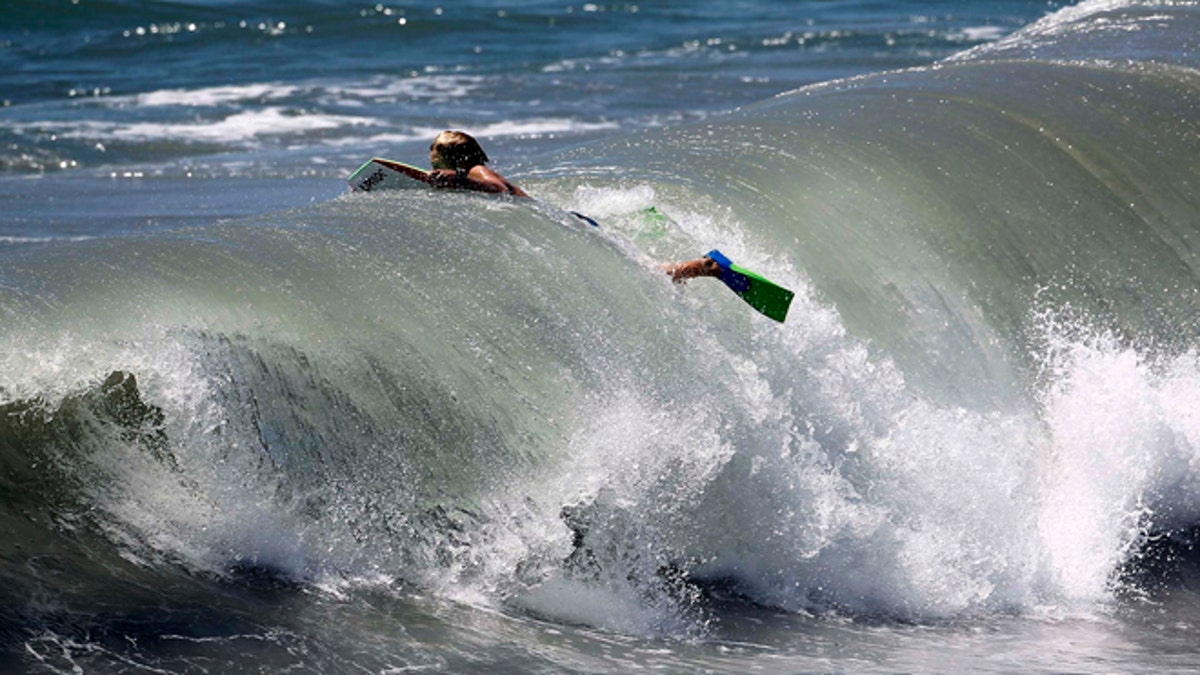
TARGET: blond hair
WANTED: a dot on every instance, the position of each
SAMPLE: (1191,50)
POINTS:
(459,149)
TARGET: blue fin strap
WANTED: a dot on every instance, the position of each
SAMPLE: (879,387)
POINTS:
(736,281)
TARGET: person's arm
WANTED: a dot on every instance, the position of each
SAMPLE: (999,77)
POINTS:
(448,179)
(700,267)
(479,178)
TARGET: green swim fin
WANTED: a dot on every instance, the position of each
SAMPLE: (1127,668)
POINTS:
(764,295)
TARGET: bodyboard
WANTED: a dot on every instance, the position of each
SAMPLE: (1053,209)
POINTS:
(385,174)
(764,295)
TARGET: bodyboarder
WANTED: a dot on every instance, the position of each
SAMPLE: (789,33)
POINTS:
(459,163)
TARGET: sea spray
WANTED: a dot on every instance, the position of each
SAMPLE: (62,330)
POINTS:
(1123,463)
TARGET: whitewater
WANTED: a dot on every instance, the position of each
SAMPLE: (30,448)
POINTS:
(254,421)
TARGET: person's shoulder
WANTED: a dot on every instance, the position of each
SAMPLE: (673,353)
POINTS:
(483,174)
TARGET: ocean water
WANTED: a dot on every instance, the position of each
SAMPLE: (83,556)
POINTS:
(253,422)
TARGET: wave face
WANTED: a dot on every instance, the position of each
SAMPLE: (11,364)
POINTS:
(979,404)
(932,204)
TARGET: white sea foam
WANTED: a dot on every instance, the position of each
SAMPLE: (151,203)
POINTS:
(542,127)
(978,34)
(432,88)
(16,239)
(214,96)
(240,127)
(1126,457)
(249,126)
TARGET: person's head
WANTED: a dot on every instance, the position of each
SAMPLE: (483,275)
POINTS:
(456,150)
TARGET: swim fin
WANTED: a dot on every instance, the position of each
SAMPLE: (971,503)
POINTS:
(764,295)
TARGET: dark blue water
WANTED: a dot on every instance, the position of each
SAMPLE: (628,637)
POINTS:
(252,423)
(298,89)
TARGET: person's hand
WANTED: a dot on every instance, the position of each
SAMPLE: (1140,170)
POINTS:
(443,178)
(700,267)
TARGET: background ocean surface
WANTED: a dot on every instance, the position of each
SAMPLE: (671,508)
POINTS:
(255,423)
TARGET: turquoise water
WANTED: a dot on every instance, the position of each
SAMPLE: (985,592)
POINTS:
(254,423)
